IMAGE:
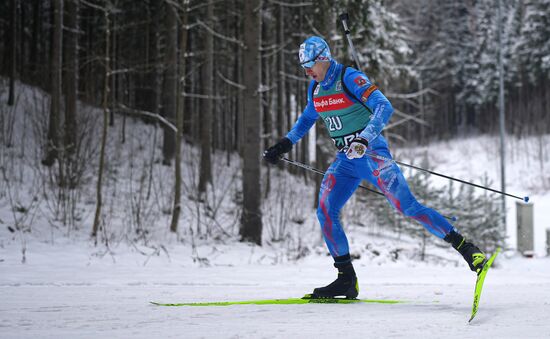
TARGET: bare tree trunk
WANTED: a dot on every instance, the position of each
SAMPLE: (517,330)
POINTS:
(289,121)
(301,98)
(13,54)
(52,143)
(266,75)
(194,122)
(71,77)
(106,90)
(206,125)
(239,104)
(23,68)
(179,120)
(170,83)
(301,102)
(251,220)
(157,68)
(113,90)
(281,88)
(36,40)
(87,75)
(228,107)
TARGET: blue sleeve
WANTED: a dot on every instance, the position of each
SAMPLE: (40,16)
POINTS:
(381,108)
(306,119)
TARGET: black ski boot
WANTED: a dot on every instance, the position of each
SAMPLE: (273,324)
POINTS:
(475,258)
(345,285)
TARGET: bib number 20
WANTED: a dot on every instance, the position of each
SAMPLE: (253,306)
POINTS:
(334,123)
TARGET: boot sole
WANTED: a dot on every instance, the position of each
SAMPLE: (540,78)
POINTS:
(321,297)
(351,293)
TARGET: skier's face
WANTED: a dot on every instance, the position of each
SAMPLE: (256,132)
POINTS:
(318,71)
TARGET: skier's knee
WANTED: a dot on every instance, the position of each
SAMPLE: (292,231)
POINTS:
(324,213)
(413,209)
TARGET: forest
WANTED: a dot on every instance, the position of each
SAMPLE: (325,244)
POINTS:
(220,81)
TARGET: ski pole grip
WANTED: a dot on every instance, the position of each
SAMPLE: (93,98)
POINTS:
(344,17)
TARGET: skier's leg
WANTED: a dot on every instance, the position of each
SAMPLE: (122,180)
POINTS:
(337,187)
(389,179)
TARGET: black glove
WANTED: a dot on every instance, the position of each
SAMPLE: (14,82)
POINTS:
(273,153)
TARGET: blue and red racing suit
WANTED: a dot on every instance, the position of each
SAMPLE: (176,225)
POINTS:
(344,116)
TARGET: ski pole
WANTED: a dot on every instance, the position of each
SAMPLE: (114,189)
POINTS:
(313,169)
(372,155)
(344,17)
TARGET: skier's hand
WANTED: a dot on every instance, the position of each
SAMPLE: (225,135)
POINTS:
(357,148)
(274,153)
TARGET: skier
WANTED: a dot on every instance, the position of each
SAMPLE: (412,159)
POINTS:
(355,111)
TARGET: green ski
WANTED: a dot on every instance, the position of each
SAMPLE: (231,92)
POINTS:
(479,283)
(291,301)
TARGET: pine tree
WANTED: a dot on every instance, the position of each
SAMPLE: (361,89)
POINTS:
(483,80)
(379,38)
(534,43)
(479,216)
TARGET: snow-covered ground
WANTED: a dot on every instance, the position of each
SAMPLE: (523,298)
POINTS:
(69,288)
(67,292)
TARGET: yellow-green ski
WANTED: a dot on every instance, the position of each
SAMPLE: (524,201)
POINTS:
(479,283)
(291,301)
